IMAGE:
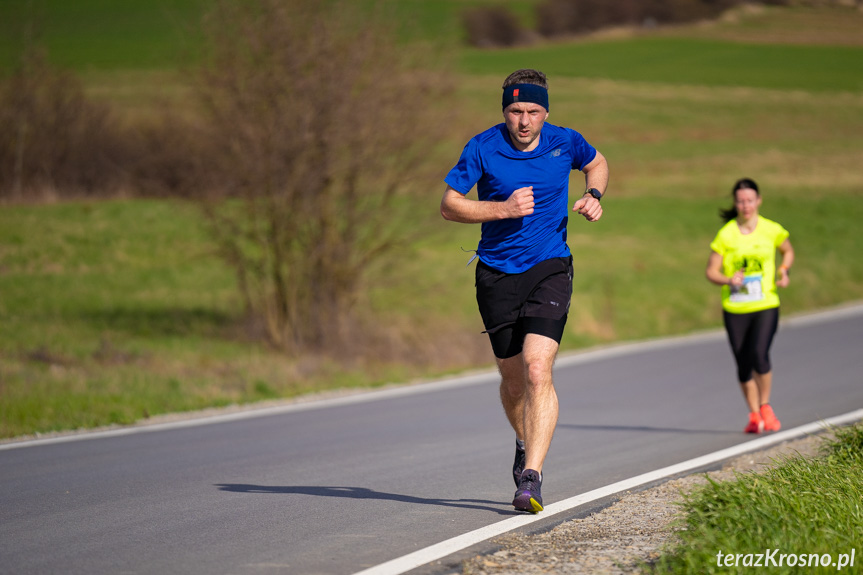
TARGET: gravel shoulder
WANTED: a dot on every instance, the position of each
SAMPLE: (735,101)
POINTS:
(624,535)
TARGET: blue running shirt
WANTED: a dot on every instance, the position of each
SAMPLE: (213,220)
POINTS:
(497,168)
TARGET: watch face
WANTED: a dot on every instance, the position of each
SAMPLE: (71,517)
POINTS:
(595,193)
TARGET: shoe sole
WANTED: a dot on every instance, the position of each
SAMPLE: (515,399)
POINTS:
(526,502)
(755,431)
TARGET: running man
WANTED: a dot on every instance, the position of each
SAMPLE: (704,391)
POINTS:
(521,170)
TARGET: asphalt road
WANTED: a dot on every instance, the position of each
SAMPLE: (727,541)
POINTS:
(335,487)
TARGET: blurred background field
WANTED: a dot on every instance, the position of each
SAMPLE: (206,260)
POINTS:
(115,310)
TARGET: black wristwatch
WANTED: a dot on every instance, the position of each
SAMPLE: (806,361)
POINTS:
(595,193)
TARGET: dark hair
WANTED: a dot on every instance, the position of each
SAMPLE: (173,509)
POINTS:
(526,76)
(741,184)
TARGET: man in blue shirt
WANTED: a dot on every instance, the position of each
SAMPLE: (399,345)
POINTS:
(521,170)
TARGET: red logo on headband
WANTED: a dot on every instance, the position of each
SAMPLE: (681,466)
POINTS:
(515,93)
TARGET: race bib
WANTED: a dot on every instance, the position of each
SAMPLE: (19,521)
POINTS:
(749,291)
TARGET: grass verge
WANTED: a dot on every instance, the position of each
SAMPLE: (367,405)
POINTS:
(115,311)
(802,515)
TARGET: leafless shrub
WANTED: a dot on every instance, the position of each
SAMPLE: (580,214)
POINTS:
(53,139)
(561,17)
(493,26)
(172,150)
(57,142)
(318,122)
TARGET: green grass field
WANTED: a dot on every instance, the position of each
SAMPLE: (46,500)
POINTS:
(101,34)
(97,35)
(111,312)
(752,516)
(682,61)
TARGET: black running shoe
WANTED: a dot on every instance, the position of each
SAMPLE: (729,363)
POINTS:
(527,496)
(518,464)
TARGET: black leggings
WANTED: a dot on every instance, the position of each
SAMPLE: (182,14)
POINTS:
(750,336)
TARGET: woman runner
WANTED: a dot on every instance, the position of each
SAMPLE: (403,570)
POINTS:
(743,262)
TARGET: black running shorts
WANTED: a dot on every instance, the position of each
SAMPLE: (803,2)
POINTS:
(513,305)
(750,336)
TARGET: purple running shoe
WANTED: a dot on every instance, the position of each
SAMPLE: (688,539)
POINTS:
(527,496)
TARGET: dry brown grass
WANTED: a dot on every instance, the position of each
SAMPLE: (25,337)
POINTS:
(835,24)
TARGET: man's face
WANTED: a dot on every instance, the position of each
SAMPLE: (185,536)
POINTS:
(524,120)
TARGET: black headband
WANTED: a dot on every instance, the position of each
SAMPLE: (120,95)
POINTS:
(525,93)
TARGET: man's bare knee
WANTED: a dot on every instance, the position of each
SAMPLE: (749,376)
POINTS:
(539,376)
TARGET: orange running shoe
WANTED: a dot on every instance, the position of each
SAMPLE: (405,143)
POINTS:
(756,424)
(770,421)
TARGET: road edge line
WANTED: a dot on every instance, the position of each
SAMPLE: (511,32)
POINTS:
(444,548)
(400,390)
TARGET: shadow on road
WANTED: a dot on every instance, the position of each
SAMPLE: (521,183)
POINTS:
(366,493)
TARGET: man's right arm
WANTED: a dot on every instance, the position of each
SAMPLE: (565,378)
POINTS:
(455,207)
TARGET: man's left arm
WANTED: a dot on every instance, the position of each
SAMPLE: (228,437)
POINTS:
(596,177)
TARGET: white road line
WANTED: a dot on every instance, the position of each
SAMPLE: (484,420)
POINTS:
(485,377)
(450,546)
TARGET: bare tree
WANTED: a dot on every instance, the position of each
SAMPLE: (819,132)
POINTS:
(54,140)
(317,120)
